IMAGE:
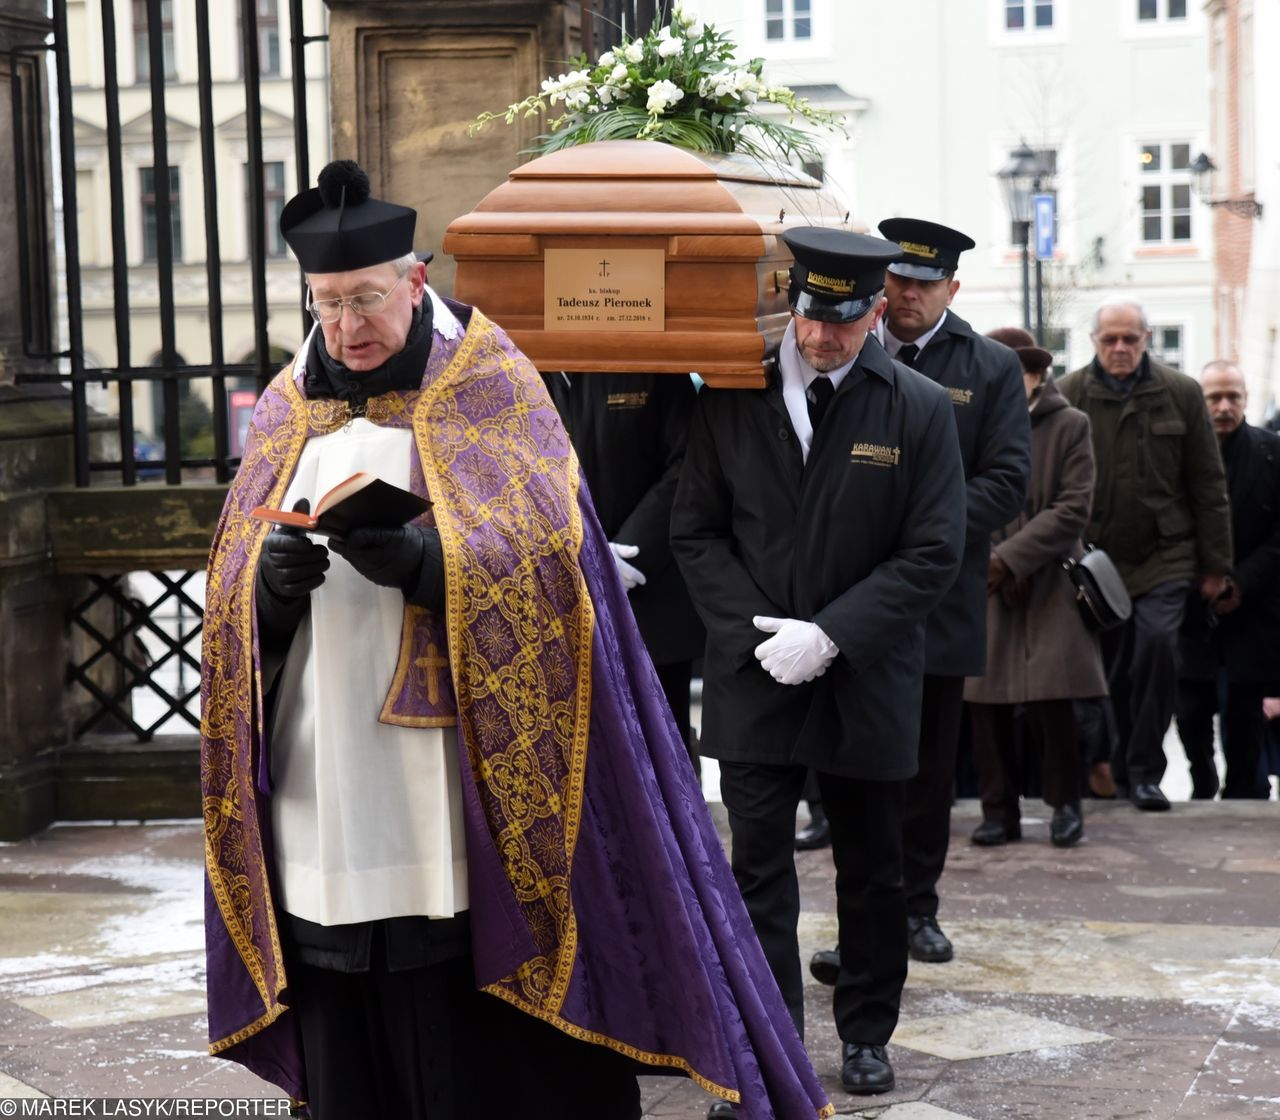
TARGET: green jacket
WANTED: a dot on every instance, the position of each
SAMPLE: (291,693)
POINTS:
(1160,500)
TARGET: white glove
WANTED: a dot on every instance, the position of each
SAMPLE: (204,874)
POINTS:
(797,652)
(631,575)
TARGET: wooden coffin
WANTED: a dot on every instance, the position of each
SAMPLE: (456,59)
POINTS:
(635,256)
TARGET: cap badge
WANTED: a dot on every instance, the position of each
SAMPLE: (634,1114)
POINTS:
(829,285)
(918,250)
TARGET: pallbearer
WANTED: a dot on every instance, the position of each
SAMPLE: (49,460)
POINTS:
(817,522)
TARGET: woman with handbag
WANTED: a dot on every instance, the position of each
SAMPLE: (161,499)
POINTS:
(1040,654)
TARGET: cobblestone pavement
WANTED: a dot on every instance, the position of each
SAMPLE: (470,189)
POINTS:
(1137,975)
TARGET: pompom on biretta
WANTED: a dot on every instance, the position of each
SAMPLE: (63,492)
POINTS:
(337,227)
(343,175)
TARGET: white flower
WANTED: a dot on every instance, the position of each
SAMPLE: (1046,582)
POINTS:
(618,74)
(607,59)
(633,51)
(663,94)
(669,46)
(692,28)
(571,85)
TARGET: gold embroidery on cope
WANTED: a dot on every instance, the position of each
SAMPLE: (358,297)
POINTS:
(874,455)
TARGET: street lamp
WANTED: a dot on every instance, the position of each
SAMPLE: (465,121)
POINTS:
(1020,180)
(1202,169)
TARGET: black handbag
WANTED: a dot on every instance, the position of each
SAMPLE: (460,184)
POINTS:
(1100,592)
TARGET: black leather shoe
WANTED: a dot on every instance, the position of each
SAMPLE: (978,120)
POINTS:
(722,1110)
(991,834)
(824,966)
(926,942)
(1148,797)
(1066,828)
(866,1069)
(816,834)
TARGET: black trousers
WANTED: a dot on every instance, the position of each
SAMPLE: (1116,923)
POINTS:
(423,1044)
(1050,725)
(1243,732)
(927,823)
(866,843)
(1142,676)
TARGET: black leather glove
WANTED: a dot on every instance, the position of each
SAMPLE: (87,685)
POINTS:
(290,567)
(409,559)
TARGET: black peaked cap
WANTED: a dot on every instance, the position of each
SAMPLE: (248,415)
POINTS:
(837,274)
(929,251)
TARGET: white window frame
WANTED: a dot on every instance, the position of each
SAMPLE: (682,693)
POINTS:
(1166,178)
(1001,36)
(1158,353)
(1162,26)
(818,45)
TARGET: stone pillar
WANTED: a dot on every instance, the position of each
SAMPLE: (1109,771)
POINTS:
(35,455)
(408,76)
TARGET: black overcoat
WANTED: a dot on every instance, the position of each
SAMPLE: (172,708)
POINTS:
(984,380)
(630,431)
(1246,641)
(863,539)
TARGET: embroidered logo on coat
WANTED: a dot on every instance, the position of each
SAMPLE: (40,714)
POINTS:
(873,454)
(629,400)
(961,396)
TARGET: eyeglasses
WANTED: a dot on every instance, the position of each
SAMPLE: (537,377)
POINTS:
(363,304)
(1117,339)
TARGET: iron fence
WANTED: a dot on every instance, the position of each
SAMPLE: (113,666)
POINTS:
(167,369)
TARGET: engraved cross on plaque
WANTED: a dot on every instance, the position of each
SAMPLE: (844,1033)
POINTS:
(433,662)
(604,268)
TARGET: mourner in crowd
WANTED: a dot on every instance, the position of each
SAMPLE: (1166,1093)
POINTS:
(1230,649)
(1040,654)
(819,521)
(450,824)
(630,431)
(1160,512)
(984,383)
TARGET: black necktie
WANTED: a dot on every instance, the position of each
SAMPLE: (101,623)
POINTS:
(907,354)
(818,396)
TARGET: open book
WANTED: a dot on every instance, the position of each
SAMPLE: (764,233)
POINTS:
(362,501)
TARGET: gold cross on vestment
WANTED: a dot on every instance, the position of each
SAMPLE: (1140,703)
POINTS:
(433,662)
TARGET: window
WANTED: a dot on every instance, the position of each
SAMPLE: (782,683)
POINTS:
(788,19)
(150,241)
(273,205)
(1166,344)
(1021,14)
(1057,340)
(1048,158)
(142,40)
(268,22)
(1165,172)
(1155,11)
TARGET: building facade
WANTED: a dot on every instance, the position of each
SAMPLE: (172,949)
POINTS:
(1111,94)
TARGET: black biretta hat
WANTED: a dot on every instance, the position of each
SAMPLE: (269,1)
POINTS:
(837,274)
(929,251)
(337,227)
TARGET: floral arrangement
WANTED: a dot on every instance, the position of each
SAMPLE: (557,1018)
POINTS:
(679,84)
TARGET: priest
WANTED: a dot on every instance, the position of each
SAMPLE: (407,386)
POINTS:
(456,854)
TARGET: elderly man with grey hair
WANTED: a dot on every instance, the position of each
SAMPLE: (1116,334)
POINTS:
(1160,510)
